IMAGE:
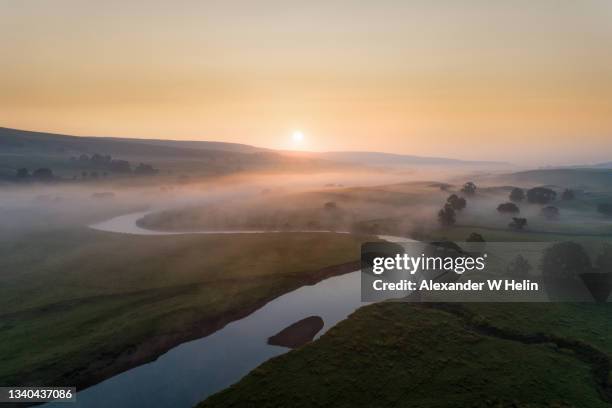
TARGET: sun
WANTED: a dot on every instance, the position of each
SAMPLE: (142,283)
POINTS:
(297,136)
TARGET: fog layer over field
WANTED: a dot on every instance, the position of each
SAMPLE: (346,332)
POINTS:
(339,201)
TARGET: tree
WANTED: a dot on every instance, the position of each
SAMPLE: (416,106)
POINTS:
(330,205)
(145,169)
(120,166)
(605,208)
(550,212)
(458,203)
(43,174)
(517,194)
(518,223)
(469,188)
(23,173)
(519,268)
(604,259)
(509,208)
(565,260)
(475,237)
(540,195)
(446,215)
(568,194)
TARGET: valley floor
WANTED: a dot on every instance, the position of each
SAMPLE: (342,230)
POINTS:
(443,355)
(78,306)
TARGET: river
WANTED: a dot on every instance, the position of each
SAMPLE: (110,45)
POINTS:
(190,372)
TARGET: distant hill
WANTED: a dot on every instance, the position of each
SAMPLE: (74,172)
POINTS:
(22,141)
(200,145)
(606,165)
(390,159)
(20,148)
(565,177)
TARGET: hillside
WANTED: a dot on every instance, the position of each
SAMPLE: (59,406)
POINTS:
(28,149)
(390,159)
(19,148)
(576,177)
(22,141)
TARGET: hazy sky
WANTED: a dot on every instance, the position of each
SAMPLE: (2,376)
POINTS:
(525,81)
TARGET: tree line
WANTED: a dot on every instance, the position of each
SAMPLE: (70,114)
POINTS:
(97,166)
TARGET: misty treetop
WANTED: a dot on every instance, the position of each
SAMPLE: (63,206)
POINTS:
(518,223)
(550,212)
(605,209)
(469,188)
(106,162)
(91,168)
(509,208)
(517,194)
(541,195)
(446,215)
(458,203)
(568,194)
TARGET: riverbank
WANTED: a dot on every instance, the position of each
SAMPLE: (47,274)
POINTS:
(151,348)
(80,306)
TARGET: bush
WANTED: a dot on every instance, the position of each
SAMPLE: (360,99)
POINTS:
(509,208)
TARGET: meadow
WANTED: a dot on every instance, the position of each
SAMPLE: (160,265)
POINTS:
(80,305)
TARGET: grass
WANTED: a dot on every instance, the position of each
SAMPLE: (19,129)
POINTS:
(405,355)
(78,305)
(426,356)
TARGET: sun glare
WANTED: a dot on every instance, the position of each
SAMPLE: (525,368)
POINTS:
(297,136)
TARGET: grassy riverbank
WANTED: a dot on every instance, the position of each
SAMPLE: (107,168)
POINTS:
(405,355)
(77,306)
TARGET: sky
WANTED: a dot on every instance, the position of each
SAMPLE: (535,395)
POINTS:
(522,81)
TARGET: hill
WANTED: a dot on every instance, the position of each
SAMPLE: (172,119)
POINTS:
(20,148)
(576,177)
(390,159)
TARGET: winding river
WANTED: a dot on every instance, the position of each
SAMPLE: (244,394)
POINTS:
(190,372)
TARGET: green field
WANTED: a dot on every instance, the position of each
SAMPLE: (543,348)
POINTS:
(451,355)
(79,305)
(406,355)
